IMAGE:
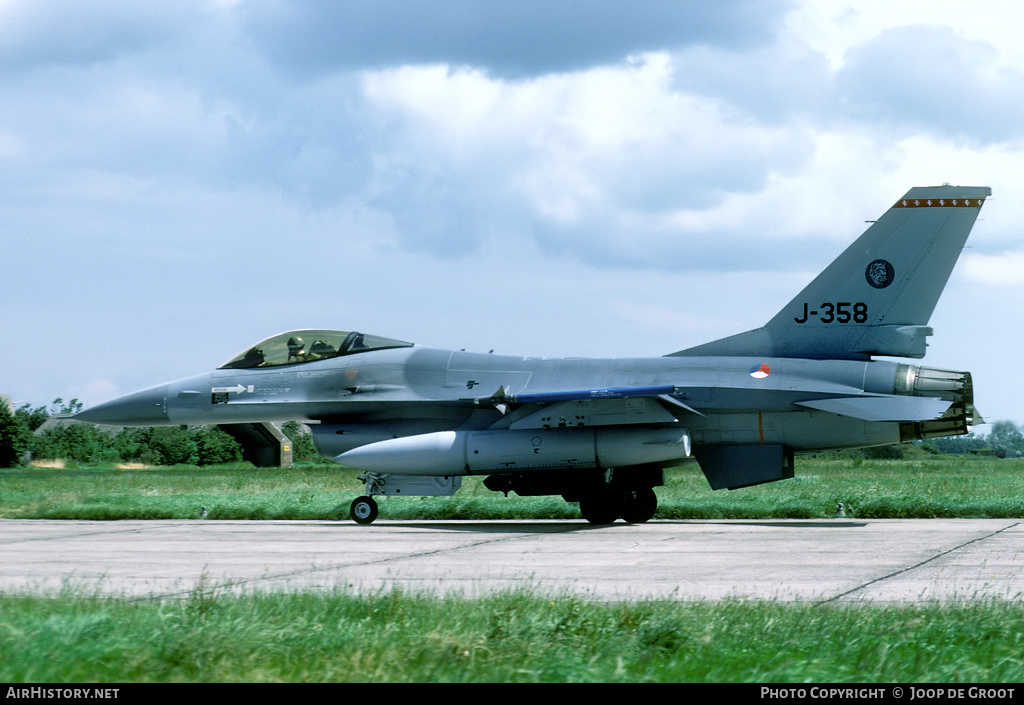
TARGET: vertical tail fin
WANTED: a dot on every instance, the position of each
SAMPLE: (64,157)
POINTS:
(876,298)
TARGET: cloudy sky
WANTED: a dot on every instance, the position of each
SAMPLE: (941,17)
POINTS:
(182,178)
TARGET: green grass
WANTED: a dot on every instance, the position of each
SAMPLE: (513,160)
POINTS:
(522,636)
(926,486)
(512,637)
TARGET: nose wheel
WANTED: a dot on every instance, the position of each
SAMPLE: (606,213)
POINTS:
(363,510)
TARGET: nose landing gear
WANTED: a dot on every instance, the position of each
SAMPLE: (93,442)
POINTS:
(363,510)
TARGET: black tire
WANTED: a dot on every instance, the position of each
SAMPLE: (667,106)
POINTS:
(639,505)
(601,506)
(363,510)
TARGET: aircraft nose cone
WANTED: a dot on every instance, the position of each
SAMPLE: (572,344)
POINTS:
(145,408)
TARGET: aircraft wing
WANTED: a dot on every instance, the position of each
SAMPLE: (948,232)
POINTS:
(611,406)
(658,405)
(591,394)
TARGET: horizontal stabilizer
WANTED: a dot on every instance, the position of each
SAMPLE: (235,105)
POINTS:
(886,408)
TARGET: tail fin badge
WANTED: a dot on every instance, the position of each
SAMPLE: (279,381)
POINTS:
(940,203)
(879,274)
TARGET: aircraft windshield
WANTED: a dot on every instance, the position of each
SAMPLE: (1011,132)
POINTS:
(301,346)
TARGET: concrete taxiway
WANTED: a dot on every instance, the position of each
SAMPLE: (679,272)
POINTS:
(811,560)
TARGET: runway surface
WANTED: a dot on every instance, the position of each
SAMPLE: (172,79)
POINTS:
(812,560)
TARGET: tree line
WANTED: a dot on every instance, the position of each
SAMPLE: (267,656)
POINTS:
(88,444)
(1005,440)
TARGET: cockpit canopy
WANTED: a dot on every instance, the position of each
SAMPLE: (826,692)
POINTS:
(299,346)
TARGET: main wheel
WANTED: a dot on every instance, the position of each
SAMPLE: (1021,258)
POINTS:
(601,505)
(363,510)
(639,505)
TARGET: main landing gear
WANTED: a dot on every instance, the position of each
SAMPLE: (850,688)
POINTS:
(604,496)
(606,503)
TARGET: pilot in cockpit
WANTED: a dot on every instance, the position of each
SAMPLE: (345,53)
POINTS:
(321,349)
(296,349)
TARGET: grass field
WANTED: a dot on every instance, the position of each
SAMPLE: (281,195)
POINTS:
(926,486)
(516,637)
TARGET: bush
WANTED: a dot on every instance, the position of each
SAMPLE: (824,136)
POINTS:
(14,438)
(174,446)
(302,442)
(217,447)
(74,441)
(154,446)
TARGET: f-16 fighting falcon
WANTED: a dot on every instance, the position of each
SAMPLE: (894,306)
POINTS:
(601,432)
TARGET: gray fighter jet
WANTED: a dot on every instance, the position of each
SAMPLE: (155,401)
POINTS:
(601,432)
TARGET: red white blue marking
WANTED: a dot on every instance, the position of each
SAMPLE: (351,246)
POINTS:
(760,371)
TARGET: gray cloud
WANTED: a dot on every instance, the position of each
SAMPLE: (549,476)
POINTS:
(509,38)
